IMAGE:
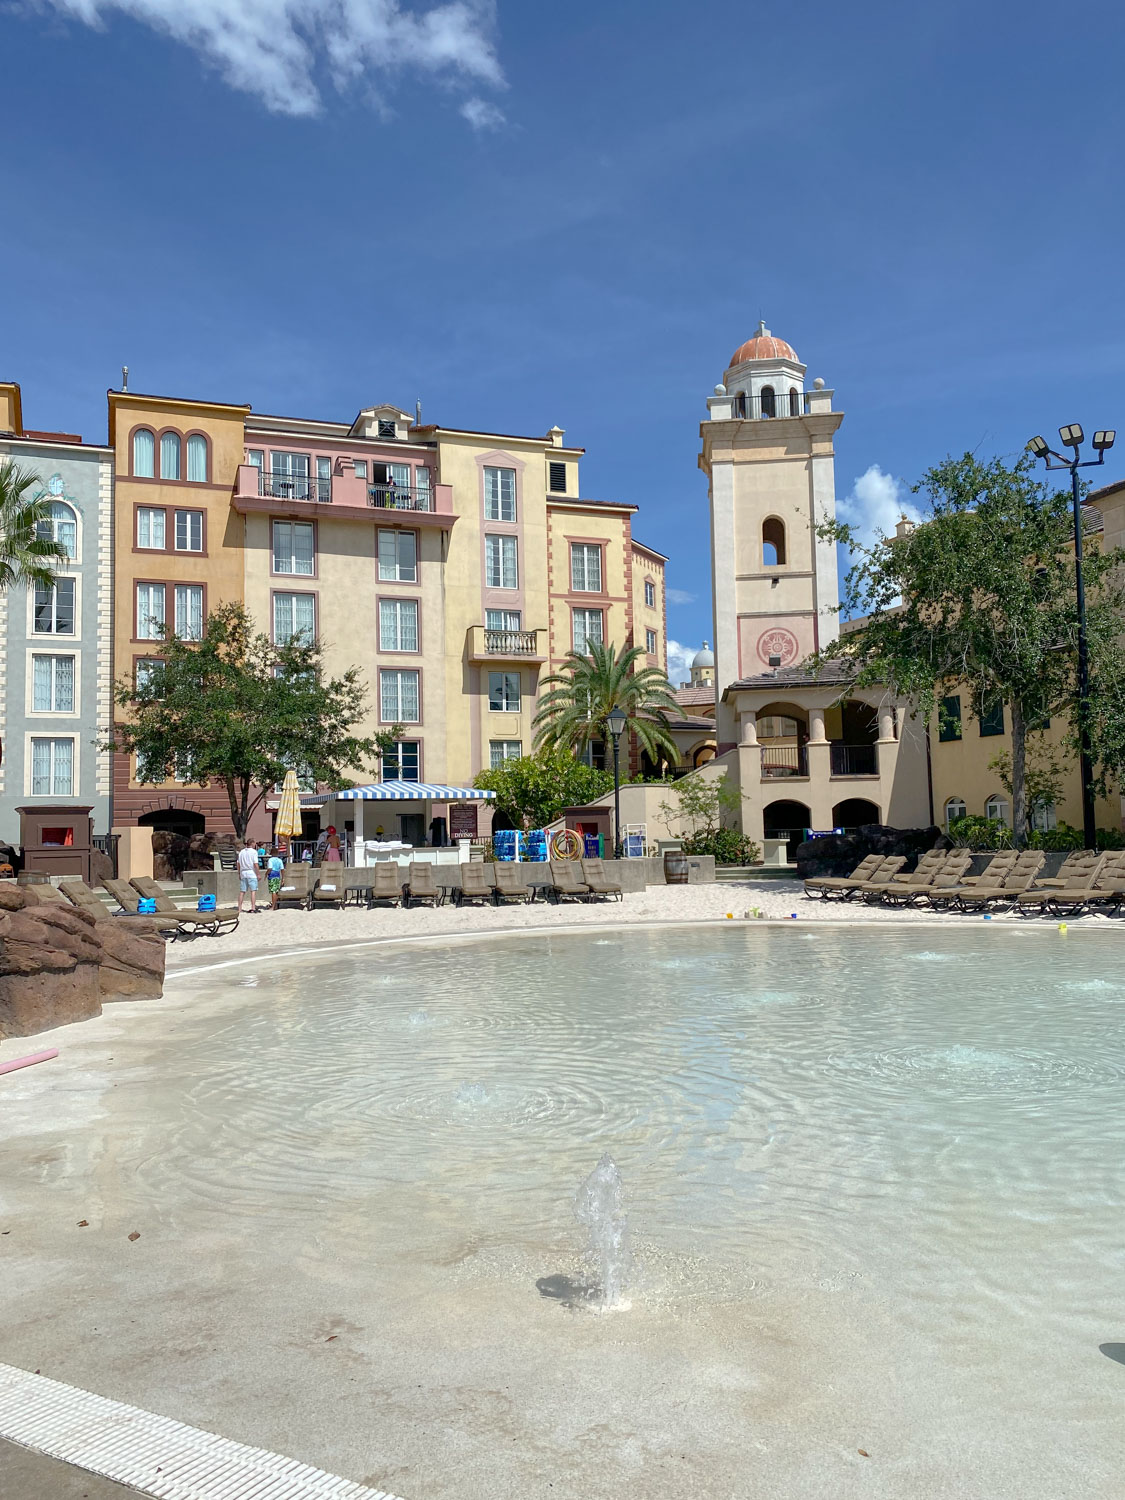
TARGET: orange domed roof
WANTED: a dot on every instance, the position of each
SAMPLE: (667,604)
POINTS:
(763,345)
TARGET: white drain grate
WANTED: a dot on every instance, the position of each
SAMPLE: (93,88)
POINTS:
(155,1455)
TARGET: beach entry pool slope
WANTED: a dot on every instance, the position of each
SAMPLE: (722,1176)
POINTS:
(874,1186)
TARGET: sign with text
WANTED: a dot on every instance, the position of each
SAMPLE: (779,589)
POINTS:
(463,821)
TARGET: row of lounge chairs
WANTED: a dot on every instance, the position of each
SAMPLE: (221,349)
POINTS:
(478,884)
(1086,882)
(168,919)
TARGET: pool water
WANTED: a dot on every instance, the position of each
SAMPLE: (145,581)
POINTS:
(875,1183)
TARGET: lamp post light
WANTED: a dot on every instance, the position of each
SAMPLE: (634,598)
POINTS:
(1073,438)
(615,722)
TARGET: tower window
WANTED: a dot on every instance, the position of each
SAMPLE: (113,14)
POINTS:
(740,404)
(794,401)
(768,399)
(773,542)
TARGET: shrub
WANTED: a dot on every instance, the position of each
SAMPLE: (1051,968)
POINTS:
(975,832)
(727,845)
(1062,838)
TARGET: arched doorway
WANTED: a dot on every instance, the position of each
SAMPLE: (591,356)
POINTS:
(174,820)
(789,821)
(853,813)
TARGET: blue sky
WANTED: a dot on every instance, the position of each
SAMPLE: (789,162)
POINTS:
(525,215)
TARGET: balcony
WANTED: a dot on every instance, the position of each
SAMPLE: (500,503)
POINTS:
(258,491)
(527,646)
(780,762)
(770,407)
(399,497)
(854,760)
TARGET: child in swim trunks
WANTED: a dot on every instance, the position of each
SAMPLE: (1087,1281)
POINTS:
(273,879)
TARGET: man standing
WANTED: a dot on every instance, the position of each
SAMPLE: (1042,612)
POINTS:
(248,874)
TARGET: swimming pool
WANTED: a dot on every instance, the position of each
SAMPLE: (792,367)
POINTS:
(875,1192)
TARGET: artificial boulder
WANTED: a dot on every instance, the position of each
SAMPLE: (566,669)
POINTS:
(58,964)
(173,853)
(839,853)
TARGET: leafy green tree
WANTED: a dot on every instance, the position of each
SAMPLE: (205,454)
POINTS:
(1044,774)
(27,549)
(981,597)
(237,710)
(579,699)
(701,814)
(533,790)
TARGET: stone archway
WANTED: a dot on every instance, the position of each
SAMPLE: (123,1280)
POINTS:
(179,820)
(788,820)
(853,812)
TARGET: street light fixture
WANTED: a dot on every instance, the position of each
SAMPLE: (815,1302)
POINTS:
(1103,441)
(615,723)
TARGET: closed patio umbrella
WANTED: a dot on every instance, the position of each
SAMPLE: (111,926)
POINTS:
(288,823)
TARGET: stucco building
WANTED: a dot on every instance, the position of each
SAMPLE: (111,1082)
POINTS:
(56,644)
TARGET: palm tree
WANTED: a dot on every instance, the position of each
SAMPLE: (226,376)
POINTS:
(573,712)
(27,548)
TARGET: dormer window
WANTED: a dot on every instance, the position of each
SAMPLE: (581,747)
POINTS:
(388,427)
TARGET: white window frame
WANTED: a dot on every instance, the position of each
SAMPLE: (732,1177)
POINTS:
(192,444)
(50,527)
(498,505)
(397,576)
(149,616)
(391,639)
(183,595)
(293,571)
(503,619)
(279,638)
(46,635)
(150,514)
(501,699)
(35,655)
(501,562)
(588,615)
(652,643)
(399,674)
(53,740)
(146,662)
(950,815)
(189,516)
(998,807)
(500,751)
(585,565)
(397,750)
(650,594)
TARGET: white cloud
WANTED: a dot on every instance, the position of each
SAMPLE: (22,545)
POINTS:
(876,504)
(283,51)
(679,596)
(679,662)
(481,115)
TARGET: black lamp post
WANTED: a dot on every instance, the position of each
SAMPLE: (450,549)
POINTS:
(1072,438)
(615,723)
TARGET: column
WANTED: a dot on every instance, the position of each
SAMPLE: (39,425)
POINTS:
(886,725)
(748,727)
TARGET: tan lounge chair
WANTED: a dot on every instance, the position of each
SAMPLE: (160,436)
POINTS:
(421,886)
(510,884)
(386,884)
(79,894)
(1047,897)
(329,888)
(1073,870)
(215,921)
(565,884)
(600,881)
(994,887)
(1109,886)
(874,867)
(179,926)
(294,886)
(475,884)
(944,866)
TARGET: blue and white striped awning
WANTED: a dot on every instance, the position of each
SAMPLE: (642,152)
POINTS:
(400,791)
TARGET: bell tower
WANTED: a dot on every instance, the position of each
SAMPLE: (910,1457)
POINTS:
(768,456)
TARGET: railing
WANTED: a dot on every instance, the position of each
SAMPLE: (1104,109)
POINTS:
(784,760)
(510,642)
(294,487)
(854,760)
(107,843)
(399,497)
(780,404)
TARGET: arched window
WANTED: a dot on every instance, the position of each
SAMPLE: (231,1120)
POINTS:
(197,459)
(61,527)
(144,454)
(769,401)
(954,809)
(1044,817)
(169,455)
(794,401)
(773,542)
(998,808)
(740,404)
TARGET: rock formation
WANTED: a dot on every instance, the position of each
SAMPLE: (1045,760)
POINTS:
(58,963)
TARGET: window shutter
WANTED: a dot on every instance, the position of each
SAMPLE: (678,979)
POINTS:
(557,478)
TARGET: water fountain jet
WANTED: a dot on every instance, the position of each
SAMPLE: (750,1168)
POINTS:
(600,1205)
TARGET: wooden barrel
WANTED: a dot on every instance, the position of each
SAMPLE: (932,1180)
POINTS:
(675,867)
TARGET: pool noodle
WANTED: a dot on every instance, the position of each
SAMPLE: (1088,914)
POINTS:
(26,1062)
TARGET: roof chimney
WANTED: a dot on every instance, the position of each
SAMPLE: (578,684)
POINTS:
(124,377)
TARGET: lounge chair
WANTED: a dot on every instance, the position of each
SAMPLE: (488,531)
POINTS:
(294,886)
(79,894)
(386,884)
(421,886)
(1047,896)
(929,866)
(510,884)
(1109,886)
(874,867)
(214,922)
(600,881)
(475,884)
(565,883)
(328,888)
(1073,870)
(179,926)
(996,886)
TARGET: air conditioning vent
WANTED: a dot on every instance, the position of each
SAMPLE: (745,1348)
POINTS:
(557,478)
